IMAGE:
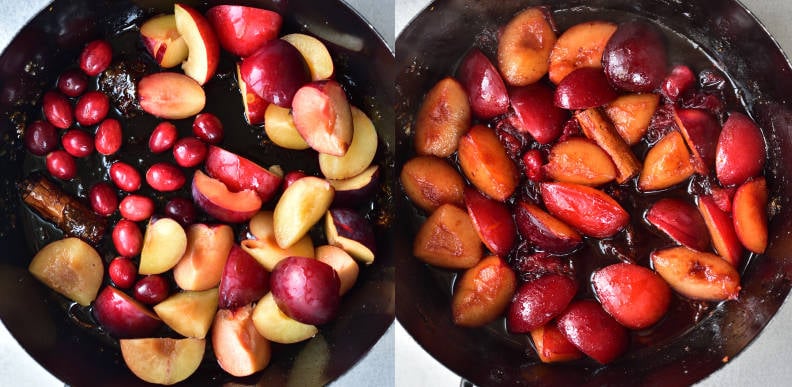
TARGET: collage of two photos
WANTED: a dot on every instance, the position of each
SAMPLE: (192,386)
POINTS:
(395,193)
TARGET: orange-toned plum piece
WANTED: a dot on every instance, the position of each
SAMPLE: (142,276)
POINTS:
(578,160)
(485,163)
(579,46)
(524,47)
(443,118)
(750,214)
(631,115)
(483,292)
(448,239)
(667,163)
(430,181)
(697,275)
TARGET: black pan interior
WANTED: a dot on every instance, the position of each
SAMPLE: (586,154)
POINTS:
(717,33)
(65,343)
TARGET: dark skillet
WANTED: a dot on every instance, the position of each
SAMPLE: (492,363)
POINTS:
(430,47)
(66,344)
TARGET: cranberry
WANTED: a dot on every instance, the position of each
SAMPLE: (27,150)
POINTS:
(92,108)
(72,83)
(151,289)
(208,128)
(165,177)
(181,210)
(127,238)
(41,138)
(95,58)
(122,272)
(291,177)
(125,176)
(189,152)
(532,160)
(163,137)
(57,109)
(61,165)
(136,208)
(77,143)
(108,137)
(104,199)
(678,82)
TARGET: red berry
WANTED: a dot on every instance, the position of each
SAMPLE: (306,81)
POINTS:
(151,289)
(208,128)
(77,142)
(108,137)
(163,137)
(92,108)
(125,176)
(61,165)
(41,138)
(104,199)
(122,272)
(95,57)
(678,82)
(165,177)
(136,208)
(72,83)
(189,152)
(127,238)
(57,110)
(532,160)
(181,210)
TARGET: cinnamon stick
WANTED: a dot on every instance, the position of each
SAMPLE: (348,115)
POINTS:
(602,132)
(68,213)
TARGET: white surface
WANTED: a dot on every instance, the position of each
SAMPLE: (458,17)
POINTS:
(375,369)
(764,363)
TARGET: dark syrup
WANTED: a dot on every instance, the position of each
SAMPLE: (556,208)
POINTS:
(638,239)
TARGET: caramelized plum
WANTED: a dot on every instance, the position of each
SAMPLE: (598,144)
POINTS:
(483,292)
(578,160)
(545,231)
(740,153)
(750,214)
(681,222)
(667,163)
(536,112)
(492,220)
(635,57)
(539,301)
(590,211)
(701,132)
(581,45)
(697,275)
(485,163)
(443,118)
(448,239)
(593,331)
(484,85)
(584,88)
(634,295)
(430,181)
(524,47)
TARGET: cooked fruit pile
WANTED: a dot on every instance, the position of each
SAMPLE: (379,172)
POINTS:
(581,144)
(208,243)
